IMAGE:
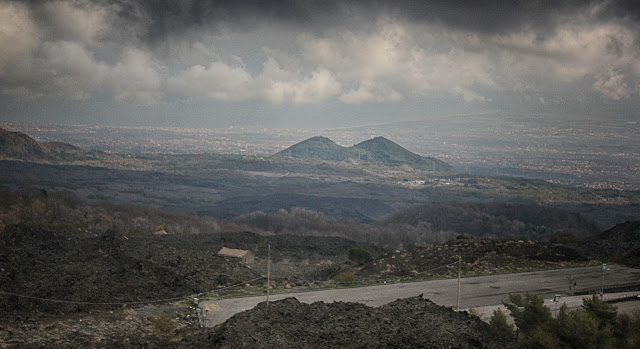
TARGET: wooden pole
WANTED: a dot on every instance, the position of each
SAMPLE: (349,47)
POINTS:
(268,272)
(459,275)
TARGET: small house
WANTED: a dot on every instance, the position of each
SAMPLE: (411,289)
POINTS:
(247,257)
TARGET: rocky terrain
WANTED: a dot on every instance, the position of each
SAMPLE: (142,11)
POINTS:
(406,323)
(112,267)
(68,280)
(100,328)
(620,244)
(479,256)
(109,268)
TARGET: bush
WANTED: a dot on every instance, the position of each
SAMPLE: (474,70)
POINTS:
(564,238)
(346,278)
(163,323)
(359,255)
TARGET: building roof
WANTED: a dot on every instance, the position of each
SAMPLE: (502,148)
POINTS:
(232,252)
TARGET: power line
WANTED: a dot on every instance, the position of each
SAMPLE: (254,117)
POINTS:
(353,267)
(169,299)
(127,303)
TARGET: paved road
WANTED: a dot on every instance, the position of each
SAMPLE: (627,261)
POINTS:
(476,292)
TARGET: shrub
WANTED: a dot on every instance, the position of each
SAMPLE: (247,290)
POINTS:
(563,238)
(359,255)
(346,278)
(163,323)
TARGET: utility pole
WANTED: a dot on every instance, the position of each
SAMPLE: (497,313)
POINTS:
(268,272)
(459,275)
(556,300)
(604,266)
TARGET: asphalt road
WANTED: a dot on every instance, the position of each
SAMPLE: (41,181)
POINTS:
(475,292)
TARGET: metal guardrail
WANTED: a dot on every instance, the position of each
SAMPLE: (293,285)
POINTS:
(632,286)
(622,298)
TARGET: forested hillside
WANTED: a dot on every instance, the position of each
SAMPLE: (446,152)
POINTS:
(496,220)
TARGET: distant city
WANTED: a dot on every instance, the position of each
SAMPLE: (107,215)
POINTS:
(594,153)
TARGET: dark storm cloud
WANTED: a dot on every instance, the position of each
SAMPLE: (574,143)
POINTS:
(159,19)
(168,17)
(505,15)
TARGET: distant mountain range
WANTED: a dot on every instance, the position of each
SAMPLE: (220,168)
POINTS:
(17,145)
(378,150)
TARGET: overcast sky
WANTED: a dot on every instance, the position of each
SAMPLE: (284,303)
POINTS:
(313,63)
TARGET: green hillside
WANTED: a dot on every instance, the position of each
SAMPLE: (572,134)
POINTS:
(378,150)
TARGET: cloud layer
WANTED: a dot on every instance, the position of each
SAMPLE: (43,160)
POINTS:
(308,52)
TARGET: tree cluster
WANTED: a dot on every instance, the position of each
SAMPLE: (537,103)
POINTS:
(497,220)
(63,210)
(301,221)
(417,226)
(596,325)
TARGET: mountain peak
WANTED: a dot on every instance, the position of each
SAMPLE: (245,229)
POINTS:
(320,139)
(379,140)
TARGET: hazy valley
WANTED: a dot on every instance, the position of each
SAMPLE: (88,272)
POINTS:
(94,217)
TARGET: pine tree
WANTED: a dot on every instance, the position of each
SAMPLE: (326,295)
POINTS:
(499,322)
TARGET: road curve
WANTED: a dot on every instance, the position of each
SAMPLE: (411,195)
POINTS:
(475,291)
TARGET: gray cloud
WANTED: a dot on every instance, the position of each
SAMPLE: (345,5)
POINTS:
(304,53)
(157,20)
(166,18)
